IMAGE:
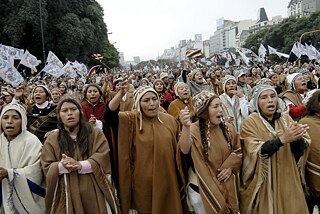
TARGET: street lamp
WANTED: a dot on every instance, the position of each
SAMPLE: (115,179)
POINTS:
(41,27)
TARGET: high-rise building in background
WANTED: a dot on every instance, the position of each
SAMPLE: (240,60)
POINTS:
(198,37)
(136,59)
(301,8)
(121,60)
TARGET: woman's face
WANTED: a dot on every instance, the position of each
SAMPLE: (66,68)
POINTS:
(149,105)
(158,87)
(215,111)
(62,89)
(230,87)
(275,79)
(39,95)
(242,78)
(300,84)
(93,95)
(144,83)
(55,96)
(267,103)
(183,92)
(69,115)
(307,76)
(11,124)
(8,98)
(80,86)
(198,77)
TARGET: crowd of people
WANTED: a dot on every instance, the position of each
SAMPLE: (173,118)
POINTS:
(200,140)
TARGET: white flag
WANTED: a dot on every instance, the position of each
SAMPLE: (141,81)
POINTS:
(262,52)
(312,52)
(244,58)
(10,74)
(272,50)
(68,70)
(296,50)
(29,60)
(52,58)
(279,54)
(53,69)
(203,60)
(302,48)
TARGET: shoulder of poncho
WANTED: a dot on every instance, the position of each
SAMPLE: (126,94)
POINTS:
(252,118)
(167,118)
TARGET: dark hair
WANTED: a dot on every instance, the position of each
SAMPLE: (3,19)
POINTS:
(225,130)
(94,85)
(66,143)
(45,90)
(203,137)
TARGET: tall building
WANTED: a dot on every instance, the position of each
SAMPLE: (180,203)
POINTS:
(136,59)
(301,8)
(169,54)
(198,37)
(263,21)
(229,34)
(121,60)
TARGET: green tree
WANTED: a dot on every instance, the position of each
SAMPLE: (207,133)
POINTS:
(283,35)
(73,29)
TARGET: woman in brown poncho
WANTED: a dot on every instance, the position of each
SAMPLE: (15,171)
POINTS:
(76,165)
(146,140)
(274,154)
(312,118)
(216,154)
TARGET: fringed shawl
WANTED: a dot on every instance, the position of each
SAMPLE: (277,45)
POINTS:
(217,197)
(270,185)
(313,162)
(148,172)
(75,193)
(25,193)
(232,110)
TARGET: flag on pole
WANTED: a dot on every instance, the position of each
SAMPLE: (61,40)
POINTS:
(245,59)
(69,71)
(279,54)
(93,70)
(14,53)
(296,50)
(52,58)
(29,60)
(262,52)
(194,53)
(312,52)
(10,74)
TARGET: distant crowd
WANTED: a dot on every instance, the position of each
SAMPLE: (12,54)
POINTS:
(201,140)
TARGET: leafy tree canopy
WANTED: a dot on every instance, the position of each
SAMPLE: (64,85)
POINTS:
(73,29)
(283,35)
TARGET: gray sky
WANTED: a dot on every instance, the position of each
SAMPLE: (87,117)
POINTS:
(146,27)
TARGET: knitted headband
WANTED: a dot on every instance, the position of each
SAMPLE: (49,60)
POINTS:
(138,94)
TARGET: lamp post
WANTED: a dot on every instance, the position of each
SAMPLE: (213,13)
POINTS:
(305,33)
(41,27)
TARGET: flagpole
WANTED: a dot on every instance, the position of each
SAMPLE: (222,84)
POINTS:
(41,28)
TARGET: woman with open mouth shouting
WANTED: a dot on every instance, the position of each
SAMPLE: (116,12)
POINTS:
(22,184)
(274,153)
(42,117)
(216,155)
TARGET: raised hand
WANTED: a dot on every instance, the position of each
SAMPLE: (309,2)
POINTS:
(185,117)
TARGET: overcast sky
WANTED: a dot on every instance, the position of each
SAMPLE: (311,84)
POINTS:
(146,27)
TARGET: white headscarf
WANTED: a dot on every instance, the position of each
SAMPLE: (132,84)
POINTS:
(19,108)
